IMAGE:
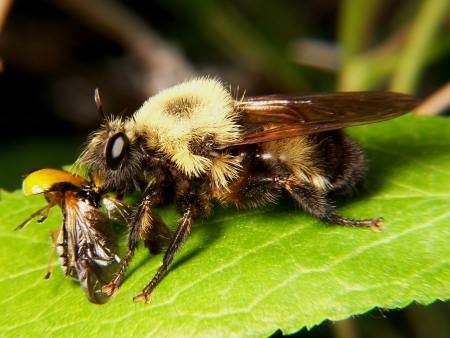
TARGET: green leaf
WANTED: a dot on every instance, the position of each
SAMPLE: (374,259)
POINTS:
(249,273)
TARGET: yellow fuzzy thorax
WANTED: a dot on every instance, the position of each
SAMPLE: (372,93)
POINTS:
(180,116)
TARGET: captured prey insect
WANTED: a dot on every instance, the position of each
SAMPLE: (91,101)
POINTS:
(194,143)
(86,243)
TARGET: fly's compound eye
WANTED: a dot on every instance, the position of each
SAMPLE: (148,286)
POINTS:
(116,150)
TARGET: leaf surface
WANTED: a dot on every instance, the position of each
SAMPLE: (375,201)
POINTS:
(248,273)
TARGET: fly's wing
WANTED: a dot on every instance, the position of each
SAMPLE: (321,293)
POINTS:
(92,246)
(275,117)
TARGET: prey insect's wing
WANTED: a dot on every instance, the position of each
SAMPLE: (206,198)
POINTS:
(118,210)
(275,117)
(92,250)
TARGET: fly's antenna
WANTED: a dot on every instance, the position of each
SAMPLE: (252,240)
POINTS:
(98,103)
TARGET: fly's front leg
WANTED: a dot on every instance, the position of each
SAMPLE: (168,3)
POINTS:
(145,225)
(192,206)
(143,222)
(315,202)
(183,230)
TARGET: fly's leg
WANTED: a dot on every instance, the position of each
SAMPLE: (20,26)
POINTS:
(142,222)
(315,202)
(146,225)
(180,236)
(254,189)
(192,205)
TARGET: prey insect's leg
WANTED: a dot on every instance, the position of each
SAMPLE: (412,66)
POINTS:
(28,220)
(52,201)
(192,205)
(315,202)
(53,235)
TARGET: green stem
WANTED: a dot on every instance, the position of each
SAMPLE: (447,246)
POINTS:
(355,21)
(412,61)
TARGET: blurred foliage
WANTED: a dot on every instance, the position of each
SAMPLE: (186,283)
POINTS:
(54,55)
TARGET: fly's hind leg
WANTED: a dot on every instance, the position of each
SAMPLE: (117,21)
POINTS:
(255,189)
(315,202)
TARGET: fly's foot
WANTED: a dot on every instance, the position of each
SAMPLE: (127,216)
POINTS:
(146,293)
(110,289)
(143,296)
(374,224)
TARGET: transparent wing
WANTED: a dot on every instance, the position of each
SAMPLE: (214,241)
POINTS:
(274,117)
(92,246)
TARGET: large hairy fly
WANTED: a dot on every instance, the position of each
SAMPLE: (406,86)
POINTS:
(194,143)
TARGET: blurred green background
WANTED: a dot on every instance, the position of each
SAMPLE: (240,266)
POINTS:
(55,53)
